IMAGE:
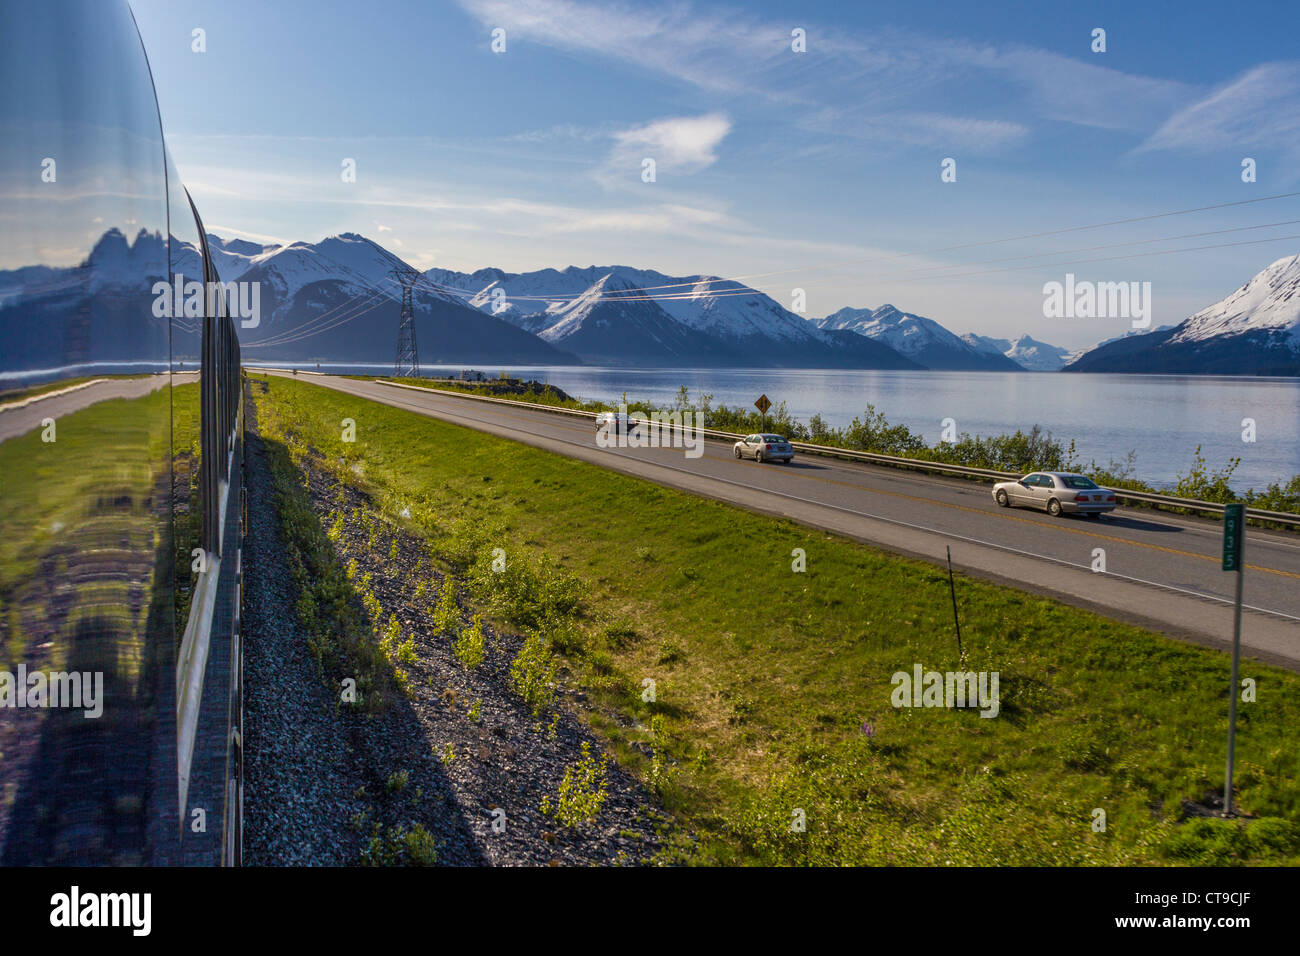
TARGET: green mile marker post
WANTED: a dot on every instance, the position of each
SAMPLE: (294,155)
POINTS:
(1234,534)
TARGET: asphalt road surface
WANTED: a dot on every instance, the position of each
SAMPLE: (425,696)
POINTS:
(20,417)
(1162,571)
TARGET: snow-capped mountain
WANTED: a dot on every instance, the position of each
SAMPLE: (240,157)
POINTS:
(923,340)
(234,257)
(338,300)
(100,308)
(1025,351)
(1268,303)
(334,301)
(356,264)
(983,343)
(1126,335)
(614,318)
(1037,356)
(1253,331)
(624,315)
(718,307)
(512,296)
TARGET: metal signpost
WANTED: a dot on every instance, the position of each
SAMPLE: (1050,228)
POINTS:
(1234,533)
(763,405)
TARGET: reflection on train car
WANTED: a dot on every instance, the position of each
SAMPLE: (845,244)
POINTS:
(120,464)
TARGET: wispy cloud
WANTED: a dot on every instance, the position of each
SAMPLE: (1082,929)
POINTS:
(226,231)
(883,80)
(561,132)
(721,51)
(919,128)
(400,205)
(1069,90)
(1260,108)
(665,218)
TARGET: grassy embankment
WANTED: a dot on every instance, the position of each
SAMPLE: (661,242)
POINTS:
(765,678)
(1021,452)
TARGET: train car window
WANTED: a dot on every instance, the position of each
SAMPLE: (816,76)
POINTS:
(86,557)
(119,460)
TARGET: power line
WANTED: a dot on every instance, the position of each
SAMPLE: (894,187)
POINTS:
(642,294)
(924,278)
(324,317)
(1115,245)
(921,252)
(346,319)
(295,335)
(1135,255)
(933,274)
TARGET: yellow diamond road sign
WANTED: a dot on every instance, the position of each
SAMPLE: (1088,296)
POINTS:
(762,404)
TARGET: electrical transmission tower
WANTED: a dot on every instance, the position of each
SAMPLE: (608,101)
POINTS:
(408,358)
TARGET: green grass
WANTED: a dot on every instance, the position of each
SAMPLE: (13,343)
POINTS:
(342,617)
(1022,452)
(93,498)
(763,677)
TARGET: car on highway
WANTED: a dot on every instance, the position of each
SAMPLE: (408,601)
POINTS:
(615,421)
(1057,493)
(763,448)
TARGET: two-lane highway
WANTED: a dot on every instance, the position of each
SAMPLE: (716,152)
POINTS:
(1161,571)
(20,417)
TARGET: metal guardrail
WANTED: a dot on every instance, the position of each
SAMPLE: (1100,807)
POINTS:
(894,461)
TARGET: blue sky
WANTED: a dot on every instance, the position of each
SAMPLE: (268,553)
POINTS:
(812,170)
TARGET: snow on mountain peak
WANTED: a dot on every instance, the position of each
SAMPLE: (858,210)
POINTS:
(729,309)
(575,313)
(719,307)
(1269,302)
(901,331)
(1037,356)
(987,345)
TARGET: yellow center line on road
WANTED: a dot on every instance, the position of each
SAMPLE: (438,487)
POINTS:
(520,417)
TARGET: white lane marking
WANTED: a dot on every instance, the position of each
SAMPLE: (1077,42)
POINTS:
(850,466)
(864,514)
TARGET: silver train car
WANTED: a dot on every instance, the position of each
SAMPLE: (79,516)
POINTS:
(121,497)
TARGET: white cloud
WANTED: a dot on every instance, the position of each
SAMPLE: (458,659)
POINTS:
(1260,108)
(684,144)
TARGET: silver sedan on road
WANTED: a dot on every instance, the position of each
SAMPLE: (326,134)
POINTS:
(764,448)
(1056,492)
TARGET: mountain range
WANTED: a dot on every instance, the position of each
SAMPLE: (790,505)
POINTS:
(618,315)
(923,340)
(338,300)
(1025,351)
(1252,331)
